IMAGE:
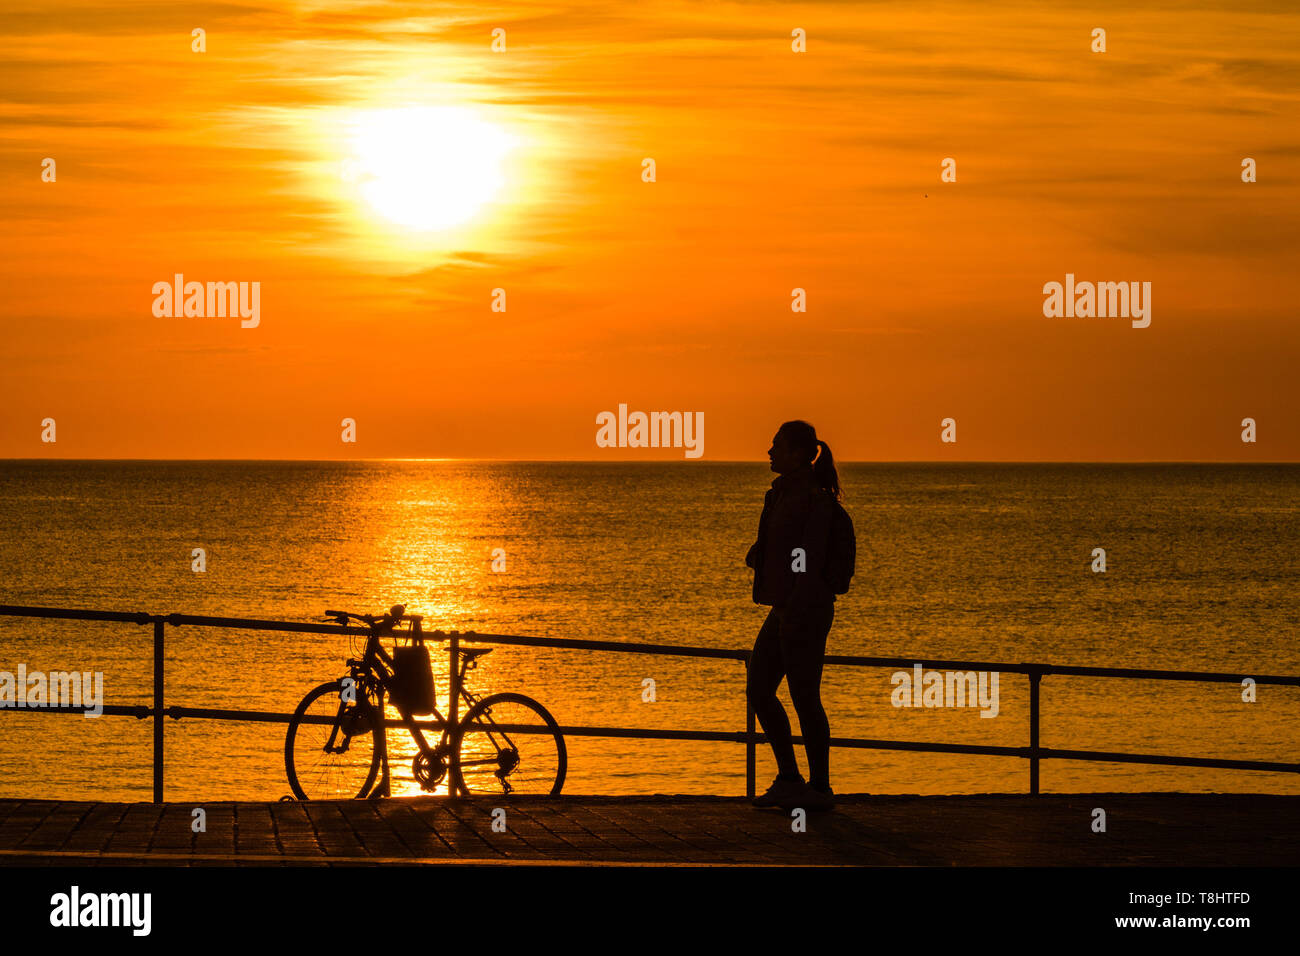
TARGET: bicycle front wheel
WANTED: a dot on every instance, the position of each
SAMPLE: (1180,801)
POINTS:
(331,751)
(509,743)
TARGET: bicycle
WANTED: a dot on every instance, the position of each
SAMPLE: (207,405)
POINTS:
(336,746)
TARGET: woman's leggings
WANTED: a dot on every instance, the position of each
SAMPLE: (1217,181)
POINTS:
(791,645)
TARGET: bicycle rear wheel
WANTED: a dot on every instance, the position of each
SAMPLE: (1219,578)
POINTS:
(347,770)
(509,743)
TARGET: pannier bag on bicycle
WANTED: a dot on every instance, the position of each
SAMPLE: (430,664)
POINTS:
(413,677)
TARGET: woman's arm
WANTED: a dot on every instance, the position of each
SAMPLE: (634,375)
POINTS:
(754,555)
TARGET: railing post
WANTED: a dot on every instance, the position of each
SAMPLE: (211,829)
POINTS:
(158,642)
(1034,678)
(453,706)
(750,747)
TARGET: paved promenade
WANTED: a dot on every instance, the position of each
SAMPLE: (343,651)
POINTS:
(993,830)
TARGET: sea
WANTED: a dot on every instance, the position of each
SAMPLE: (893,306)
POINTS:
(963,562)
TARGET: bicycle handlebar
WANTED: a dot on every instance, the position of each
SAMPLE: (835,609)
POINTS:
(394,616)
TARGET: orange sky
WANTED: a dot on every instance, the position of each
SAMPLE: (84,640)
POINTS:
(775,170)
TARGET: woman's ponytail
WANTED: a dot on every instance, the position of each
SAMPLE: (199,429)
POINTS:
(824,470)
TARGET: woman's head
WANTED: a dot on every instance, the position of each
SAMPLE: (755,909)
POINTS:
(796,446)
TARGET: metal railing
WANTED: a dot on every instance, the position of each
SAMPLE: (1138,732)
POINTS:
(1034,752)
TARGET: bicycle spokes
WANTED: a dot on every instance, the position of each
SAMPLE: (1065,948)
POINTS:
(509,744)
(330,751)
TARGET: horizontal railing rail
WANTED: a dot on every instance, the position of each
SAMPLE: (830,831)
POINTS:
(1034,752)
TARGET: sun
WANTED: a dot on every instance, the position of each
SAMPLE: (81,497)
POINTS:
(427,167)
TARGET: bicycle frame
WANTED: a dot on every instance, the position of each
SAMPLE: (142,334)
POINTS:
(377,666)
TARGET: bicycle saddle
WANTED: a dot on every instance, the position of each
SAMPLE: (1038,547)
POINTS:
(469,653)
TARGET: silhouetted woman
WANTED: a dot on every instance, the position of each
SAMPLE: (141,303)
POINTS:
(791,562)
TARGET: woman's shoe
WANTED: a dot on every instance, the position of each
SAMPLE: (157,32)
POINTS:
(782,792)
(819,800)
